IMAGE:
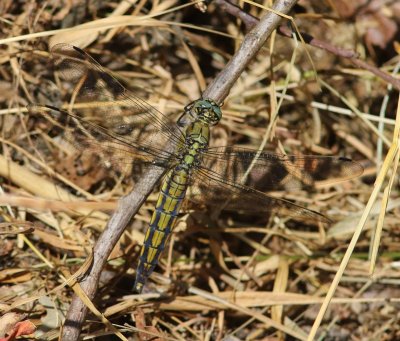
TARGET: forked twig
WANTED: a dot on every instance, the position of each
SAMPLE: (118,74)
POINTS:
(250,21)
(130,204)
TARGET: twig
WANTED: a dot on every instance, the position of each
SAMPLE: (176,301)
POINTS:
(129,205)
(252,43)
(250,21)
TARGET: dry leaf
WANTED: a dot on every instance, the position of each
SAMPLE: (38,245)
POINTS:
(9,324)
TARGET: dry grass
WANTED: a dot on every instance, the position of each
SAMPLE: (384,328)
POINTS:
(222,275)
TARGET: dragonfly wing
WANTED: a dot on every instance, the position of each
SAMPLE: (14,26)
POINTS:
(273,172)
(235,178)
(105,118)
(211,189)
(96,140)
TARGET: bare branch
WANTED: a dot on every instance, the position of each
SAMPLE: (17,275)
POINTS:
(252,43)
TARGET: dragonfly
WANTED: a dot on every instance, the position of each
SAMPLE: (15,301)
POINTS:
(118,125)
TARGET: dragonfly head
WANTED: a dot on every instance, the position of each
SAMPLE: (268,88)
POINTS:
(205,110)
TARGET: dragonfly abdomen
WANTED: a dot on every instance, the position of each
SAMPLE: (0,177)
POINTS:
(173,191)
(169,202)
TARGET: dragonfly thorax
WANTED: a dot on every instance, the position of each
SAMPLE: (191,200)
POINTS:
(190,154)
(197,136)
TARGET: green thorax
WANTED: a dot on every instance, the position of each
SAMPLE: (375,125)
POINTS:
(197,118)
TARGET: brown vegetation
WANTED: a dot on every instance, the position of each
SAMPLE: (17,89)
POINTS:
(324,85)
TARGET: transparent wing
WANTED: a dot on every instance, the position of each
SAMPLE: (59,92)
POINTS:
(114,145)
(223,177)
(105,118)
(211,190)
(275,172)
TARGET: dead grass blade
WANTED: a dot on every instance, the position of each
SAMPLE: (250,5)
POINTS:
(390,162)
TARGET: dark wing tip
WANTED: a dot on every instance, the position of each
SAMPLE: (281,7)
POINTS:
(40,108)
(53,108)
(79,50)
(321,218)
